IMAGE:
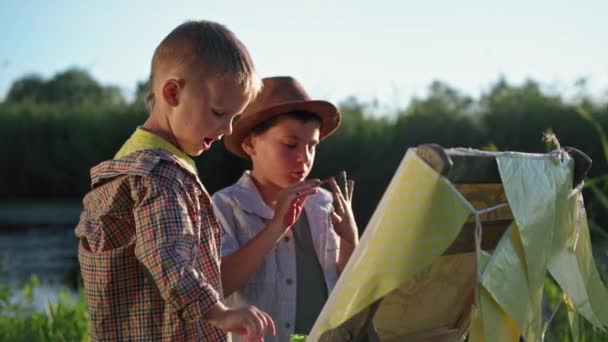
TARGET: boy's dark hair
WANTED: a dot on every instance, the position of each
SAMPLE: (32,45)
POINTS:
(303,117)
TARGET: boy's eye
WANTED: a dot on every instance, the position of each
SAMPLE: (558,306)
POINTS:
(218,114)
(290,145)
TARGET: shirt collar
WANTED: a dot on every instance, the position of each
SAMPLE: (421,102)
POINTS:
(249,198)
(145,140)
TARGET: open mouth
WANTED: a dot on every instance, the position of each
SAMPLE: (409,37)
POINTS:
(208,142)
(298,174)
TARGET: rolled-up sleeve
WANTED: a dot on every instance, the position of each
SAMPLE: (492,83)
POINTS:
(167,244)
(225,216)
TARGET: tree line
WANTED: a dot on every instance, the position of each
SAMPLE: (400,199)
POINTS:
(54,130)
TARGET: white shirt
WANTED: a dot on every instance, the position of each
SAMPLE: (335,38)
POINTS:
(242,213)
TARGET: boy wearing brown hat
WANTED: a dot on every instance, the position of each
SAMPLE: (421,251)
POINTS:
(149,247)
(284,243)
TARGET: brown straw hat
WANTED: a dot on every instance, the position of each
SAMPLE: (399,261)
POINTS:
(280,95)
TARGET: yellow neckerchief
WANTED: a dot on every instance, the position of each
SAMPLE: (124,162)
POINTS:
(144,140)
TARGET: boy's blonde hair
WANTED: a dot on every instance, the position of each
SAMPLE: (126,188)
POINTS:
(206,45)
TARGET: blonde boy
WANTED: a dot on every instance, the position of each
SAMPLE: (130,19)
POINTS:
(149,247)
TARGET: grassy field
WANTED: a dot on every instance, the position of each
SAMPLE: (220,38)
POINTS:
(20,320)
(68,318)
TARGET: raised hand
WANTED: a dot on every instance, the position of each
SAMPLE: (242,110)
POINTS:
(343,219)
(290,202)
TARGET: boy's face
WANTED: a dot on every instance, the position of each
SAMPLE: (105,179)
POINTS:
(284,154)
(205,111)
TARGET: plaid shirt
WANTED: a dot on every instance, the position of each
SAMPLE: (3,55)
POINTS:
(149,251)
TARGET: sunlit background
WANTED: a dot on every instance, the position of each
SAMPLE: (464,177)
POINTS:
(384,50)
(492,75)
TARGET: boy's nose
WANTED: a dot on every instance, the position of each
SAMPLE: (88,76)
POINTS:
(227,128)
(304,156)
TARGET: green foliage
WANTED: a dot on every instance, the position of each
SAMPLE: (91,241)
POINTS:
(559,329)
(71,87)
(66,320)
(51,147)
(52,137)
(598,185)
(298,338)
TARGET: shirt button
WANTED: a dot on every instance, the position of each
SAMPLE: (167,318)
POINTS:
(286,239)
(288,281)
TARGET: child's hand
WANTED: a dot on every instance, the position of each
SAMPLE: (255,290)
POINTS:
(249,322)
(342,217)
(290,202)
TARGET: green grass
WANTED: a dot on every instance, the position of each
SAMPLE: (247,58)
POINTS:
(66,320)
(298,338)
(559,329)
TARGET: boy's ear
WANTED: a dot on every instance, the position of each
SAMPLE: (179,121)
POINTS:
(171,91)
(248,145)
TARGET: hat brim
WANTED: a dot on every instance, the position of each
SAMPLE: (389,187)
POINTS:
(327,112)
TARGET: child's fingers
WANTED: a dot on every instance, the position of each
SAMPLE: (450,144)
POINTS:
(304,193)
(257,325)
(337,194)
(270,327)
(263,322)
(303,189)
(334,186)
(350,186)
(305,185)
(294,198)
(294,211)
(268,323)
(291,201)
(297,199)
(300,190)
(335,217)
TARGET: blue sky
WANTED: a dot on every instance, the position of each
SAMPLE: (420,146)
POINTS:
(385,50)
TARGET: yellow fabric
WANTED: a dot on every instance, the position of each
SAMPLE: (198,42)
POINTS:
(504,278)
(476,327)
(498,326)
(490,323)
(536,188)
(574,270)
(445,288)
(144,140)
(418,217)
